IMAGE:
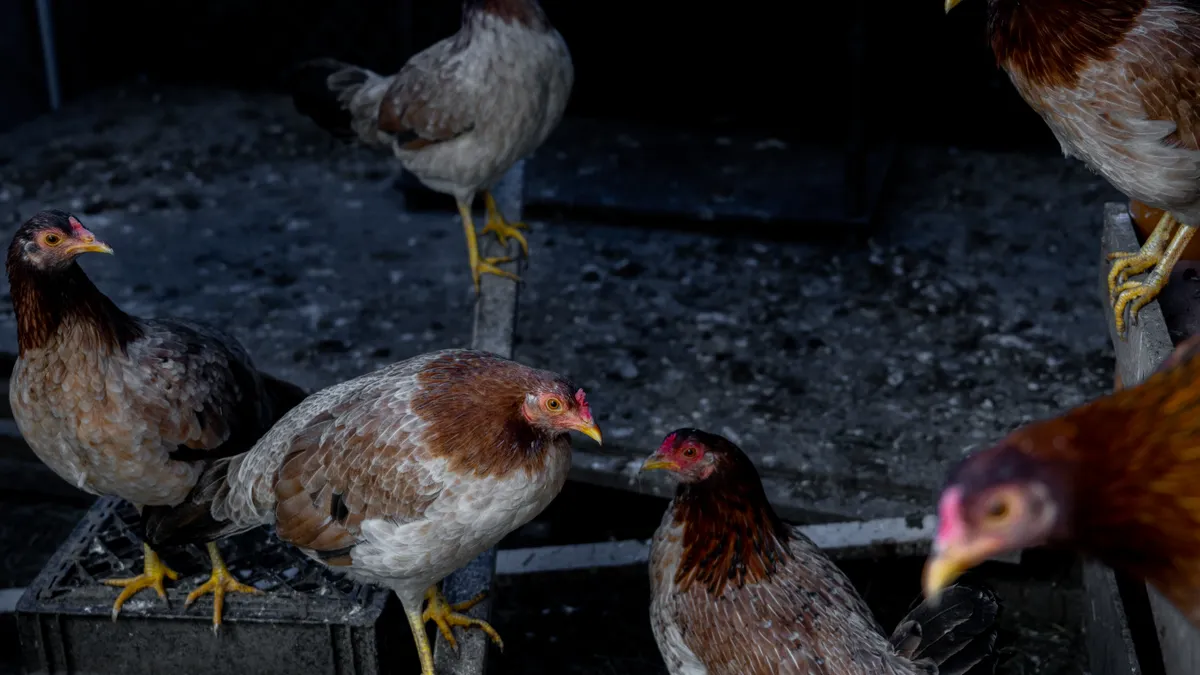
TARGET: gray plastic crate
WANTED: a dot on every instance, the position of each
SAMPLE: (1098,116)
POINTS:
(309,620)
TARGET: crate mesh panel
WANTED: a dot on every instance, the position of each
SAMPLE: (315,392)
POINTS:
(107,545)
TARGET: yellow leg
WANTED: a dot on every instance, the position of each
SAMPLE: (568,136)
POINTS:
(501,227)
(153,573)
(1130,263)
(416,622)
(480,265)
(221,582)
(446,615)
(1136,294)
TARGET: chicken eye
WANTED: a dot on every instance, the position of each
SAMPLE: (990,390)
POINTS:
(689,452)
(998,510)
(554,405)
(52,239)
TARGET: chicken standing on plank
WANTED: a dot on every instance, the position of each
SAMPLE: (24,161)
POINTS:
(401,476)
(122,406)
(1118,82)
(1114,479)
(735,591)
(459,114)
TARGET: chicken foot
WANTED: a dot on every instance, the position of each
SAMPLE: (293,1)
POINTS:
(480,265)
(444,615)
(153,573)
(1136,294)
(1130,263)
(221,582)
(501,227)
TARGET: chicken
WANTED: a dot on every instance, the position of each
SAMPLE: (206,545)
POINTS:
(403,475)
(735,591)
(1118,82)
(122,406)
(459,114)
(1114,479)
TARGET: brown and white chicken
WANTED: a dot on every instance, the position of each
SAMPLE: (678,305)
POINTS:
(735,591)
(401,476)
(122,406)
(459,114)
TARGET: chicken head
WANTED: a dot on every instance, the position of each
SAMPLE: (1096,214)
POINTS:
(51,240)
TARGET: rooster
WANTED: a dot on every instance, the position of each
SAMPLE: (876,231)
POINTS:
(1118,82)
(459,114)
(403,475)
(735,591)
(122,406)
(1114,479)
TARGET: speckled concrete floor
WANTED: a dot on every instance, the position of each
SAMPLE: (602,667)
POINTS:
(858,372)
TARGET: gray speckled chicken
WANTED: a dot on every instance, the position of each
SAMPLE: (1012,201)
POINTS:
(459,114)
(403,475)
(735,591)
(122,406)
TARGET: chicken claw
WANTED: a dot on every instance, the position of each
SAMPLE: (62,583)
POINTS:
(1130,263)
(446,615)
(221,582)
(480,265)
(153,573)
(501,227)
(1136,294)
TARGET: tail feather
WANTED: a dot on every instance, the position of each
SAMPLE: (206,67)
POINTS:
(955,635)
(328,92)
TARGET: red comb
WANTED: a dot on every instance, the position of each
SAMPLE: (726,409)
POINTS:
(581,399)
(949,516)
(76,226)
(667,443)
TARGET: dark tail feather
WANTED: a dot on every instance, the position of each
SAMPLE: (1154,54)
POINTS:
(192,521)
(284,395)
(315,97)
(955,635)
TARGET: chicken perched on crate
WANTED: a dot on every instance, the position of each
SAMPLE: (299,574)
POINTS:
(1114,479)
(1118,82)
(459,114)
(402,476)
(122,406)
(735,591)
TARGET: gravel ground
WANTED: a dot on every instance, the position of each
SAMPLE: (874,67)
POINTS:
(860,371)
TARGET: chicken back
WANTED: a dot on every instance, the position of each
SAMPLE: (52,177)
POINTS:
(734,590)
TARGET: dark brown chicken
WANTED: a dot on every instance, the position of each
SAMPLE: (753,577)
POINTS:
(403,475)
(122,406)
(1118,82)
(735,591)
(1114,479)
(459,114)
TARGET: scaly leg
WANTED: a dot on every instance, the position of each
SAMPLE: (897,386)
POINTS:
(480,265)
(221,582)
(153,573)
(501,227)
(1137,294)
(446,615)
(1130,263)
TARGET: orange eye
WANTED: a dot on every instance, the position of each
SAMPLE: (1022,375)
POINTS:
(689,452)
(52,239)
(999,510)
(554,404)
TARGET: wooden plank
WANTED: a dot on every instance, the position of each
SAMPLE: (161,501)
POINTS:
(495,326)
(1146,345)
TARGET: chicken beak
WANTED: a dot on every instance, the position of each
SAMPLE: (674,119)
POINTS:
(89,246)
(951,4)
(657,462)
(592,431)
(949,562)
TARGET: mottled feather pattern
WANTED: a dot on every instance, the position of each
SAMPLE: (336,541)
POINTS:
(1119,85)
(393,477)
(460,113)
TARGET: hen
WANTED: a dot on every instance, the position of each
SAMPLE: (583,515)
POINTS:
(1114,479)
(735,591)
(1118,82)
(403,475)
(459,114)
(118,405)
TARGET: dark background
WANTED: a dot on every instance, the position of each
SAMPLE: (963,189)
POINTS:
(751,65)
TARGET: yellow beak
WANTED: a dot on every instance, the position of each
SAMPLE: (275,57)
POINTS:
(951,4)
(591,431)
(940,572)
(655,463)
(89,247)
